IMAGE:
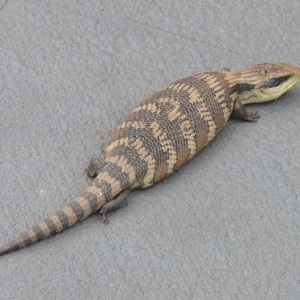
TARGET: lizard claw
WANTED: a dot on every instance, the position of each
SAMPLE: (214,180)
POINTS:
(104,218)
(252,116)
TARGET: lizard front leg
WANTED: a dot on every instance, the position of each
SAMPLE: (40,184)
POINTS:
(240,112)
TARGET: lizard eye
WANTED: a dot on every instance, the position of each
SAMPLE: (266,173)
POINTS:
(273,82)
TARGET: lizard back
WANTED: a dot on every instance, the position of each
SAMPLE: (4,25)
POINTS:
(171,126)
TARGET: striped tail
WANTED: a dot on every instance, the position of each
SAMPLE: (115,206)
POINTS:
(104,188)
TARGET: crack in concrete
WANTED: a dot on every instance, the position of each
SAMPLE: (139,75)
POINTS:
(4,4)
(185,37)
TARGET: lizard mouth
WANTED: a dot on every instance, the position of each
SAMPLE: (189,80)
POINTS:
(285,83)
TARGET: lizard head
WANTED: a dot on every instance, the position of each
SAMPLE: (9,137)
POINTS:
(269,81)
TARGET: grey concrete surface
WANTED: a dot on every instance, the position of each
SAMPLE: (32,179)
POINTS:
(226,226)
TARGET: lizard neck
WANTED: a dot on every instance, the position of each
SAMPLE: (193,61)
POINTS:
(243,85)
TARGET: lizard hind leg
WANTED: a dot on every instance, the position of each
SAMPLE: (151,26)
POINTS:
(95,166)
(114,204)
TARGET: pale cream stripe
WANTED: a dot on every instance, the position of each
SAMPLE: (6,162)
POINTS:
(204,111)
(178,86)
(32,235)
(202,76)
(85,204)
(134,124)
(123,163)
(220,97)
(94,190)
(194,95)
(189,135)
(141,152)
(116,143)
(212,81)
(168,87)
(21,242)
(144,154)
(57,222)
(215,84)
(72,218)
(175,112)
(44,227)
(150,106)
(166,144)
(186,87)
(233,81)
(114,183)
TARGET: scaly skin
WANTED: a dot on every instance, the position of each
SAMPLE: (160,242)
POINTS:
(163,133)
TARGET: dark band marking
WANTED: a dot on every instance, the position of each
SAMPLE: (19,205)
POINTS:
(38,232)
(77,209)
(133,158)
(149,141)
(115,171)
(25,240)
(51,226)
(225,86)
(190,110)
(208,85)
(215,107)
(105,188)
(92,199)
(242,87)
(63,218)
(171,128)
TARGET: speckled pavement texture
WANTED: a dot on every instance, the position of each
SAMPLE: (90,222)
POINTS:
(226,226)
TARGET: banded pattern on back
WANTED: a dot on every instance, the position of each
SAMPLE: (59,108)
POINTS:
(171,126)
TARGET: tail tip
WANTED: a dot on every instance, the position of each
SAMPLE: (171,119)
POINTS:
(10,247)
